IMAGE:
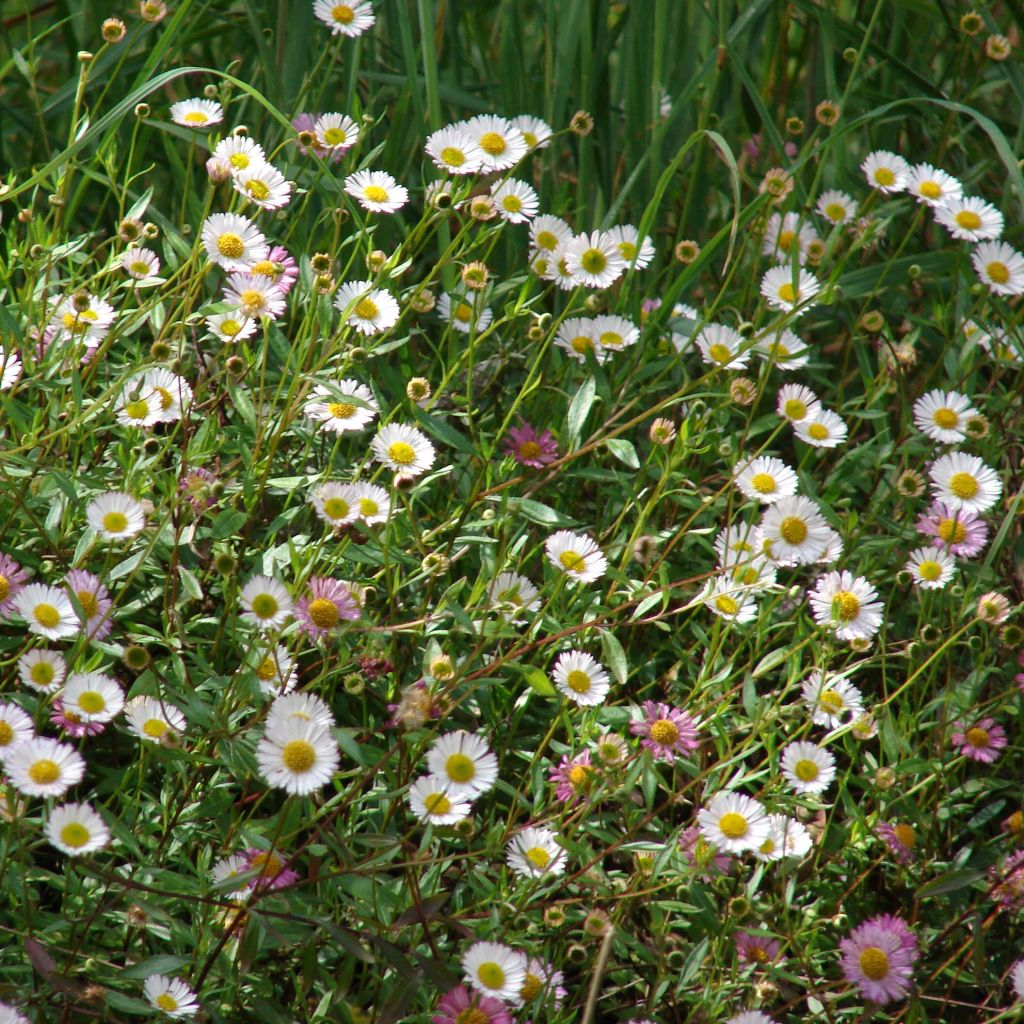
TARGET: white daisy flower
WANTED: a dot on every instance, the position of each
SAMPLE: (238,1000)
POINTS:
(807,767)
(376,191)
(730,599)
(197,113)
(535,853)
(765,479)
(140,263)
(264,185)
(722,346)
(1000,267)
(297,756)
(789,290)
(786,238)
(10,368)
(349,19)
(465,313)
(464,763)
(931,568)
(43,767)
(372,503)
(89,326)
(549,233)
(886,171)
(962,481)
(266,602)
(594,260)
(115,515)
(174,393)
(232,326)
(239,152)
(42,670)
(345,405)
(556,269)
(454,150)
(576,336)
(733,823)
(847,605)
(403,449)
(93,696)
(797,403)
(47,610)
(581,678)
(152,719)
(737,544)
(833,548)
(929,185)
(970,219)
(1017,978)
(836,207)
(430,800)
(9,1015)
(233,242)
(614,333)
(501,142)
(943,415)
(335,503)
(577,555)
(171,995)
(76,829)
(299,707)
(823,430)
(831,699)
(795,531)
(226,870)
(495,970)
(513,595)
(16,727)
(368,309)
(786,349)
(336,133)
(787,837)
(636,251)
(275,671)
(254,295)
(138,406)
(536,131)
(516,201)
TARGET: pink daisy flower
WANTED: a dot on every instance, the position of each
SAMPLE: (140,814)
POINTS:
(460,1006)
(699,853)
(963,534)
(274,873)
(326,604)
(71,723)
(901,840)
(981,741)
(573,777)
(195,484)
(529,448)
(12,579)
(1007,881)
(667,731)
(879,956)
(288,273)
(756,949)
(95,600)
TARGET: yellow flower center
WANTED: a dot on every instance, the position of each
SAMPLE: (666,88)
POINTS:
(74,834)
(930,570)
(115,522)
(402,453)
(874,963)
(977,737)
(335,136)
(612,339)
(571,562)
(947,419)
(267,670)
(818,431)
(154,727)
(375,194)
(437,803)
(323,613)
(166,398)
(884,176)
(727,605)
(368,507)
(930,189)
(462,312)
(831,702)
(733,825)
(490,975)
(91,702)
(195,117)
(44,772)
(230,327)
(719,352)
(906,836)
(452,156)
(593,261)
(166,1002)
(473,1015)
(835,212)
(963,485)
(845,605)
(259,190)
(512,204)
(628,250)
(492,143)
(336,508)
(137,410)
(298,756)
(578,775)
(341,410)
(342,14)
(230,245)
(5,587)
(265,606)
(460,768)
(252,299)
(664,732)
(786,239)
(794,409)
(239,161)
(139,267)
(582,344)
(578,681)
(46,615)
(998,271)
(531,988)
(952,531)
(538,856)
(6,734)
(793,530)
(806,771)
(546,240)
(763,483)
(529,449)
(366,309)
(968,220)
(788,293)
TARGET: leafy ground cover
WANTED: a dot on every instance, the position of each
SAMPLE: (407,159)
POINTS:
(511,512)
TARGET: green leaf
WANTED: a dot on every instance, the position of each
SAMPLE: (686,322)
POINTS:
(153,965)
(615,656)
(539,683)
(189,584)
(227,523)
(624,451)
(950,881)
(579,409)
(539,513)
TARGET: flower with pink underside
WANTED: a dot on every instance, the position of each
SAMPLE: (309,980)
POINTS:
(461,1006)
(879,957)
(529,448)
(756,949)
(699,853)
(573,778)
(72,724)
(667,731)
(963,533)
(274,872)
(12,579)
(325,605)
(95,600)
(901,840)
(980,742)
(197,485)
(280,267)
(1007,881)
